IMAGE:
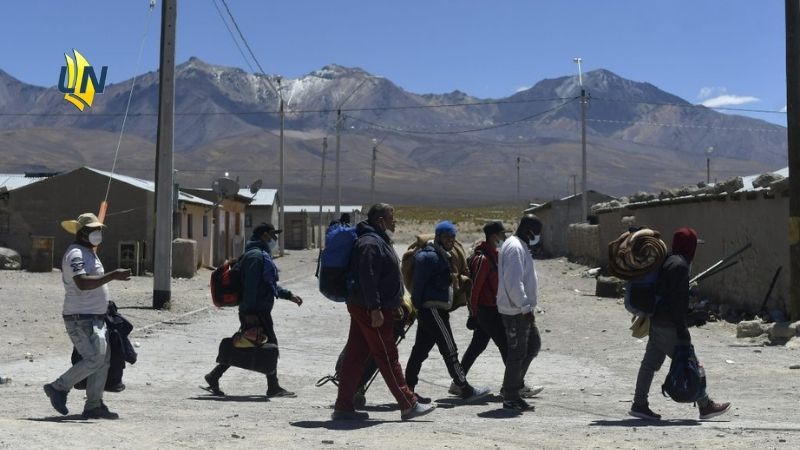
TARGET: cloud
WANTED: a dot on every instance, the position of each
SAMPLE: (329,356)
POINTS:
(711,91)
(729,100)
(522,88)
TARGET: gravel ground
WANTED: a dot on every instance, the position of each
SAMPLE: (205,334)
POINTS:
(588,366)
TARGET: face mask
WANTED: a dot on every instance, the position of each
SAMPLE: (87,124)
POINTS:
(272,244)
(96,237)
(389,233)
(499,243)
(534,241)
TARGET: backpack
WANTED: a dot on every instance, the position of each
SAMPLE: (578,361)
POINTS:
(226,284)
(641,294)
(686,380)
(335,277)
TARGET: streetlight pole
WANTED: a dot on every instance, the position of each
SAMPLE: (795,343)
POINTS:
(584,101)
(708,164)
(792,9)
(374,161)
(321,191)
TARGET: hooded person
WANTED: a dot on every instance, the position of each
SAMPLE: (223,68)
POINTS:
(433,295)
(260,288)
(668,327)
(84,313)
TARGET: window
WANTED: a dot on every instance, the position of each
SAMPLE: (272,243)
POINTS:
(248,221)
(205,225)
(189,226)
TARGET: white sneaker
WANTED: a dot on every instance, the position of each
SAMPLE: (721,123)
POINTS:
(478,393)
(530,391)
(418,410)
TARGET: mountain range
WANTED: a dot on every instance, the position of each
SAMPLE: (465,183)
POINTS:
(431,148)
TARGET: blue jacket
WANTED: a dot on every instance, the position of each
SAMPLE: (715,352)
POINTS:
(432,278)
(376,271)
(259,279)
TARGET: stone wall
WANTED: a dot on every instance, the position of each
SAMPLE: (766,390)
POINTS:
(583,244)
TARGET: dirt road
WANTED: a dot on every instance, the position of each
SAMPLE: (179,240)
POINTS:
(588,366)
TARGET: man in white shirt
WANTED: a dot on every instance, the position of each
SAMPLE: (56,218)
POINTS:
(85,306)
(516,303)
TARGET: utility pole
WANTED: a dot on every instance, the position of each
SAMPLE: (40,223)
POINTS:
(793,127)
(281,200)
(162,248)
(338,158)
(321,190)
(518,179)
(374,162)
(584,101)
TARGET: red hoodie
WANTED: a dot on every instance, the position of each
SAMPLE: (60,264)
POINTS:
(483,267)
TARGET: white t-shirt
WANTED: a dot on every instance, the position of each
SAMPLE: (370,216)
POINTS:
(79,260)
(518,283)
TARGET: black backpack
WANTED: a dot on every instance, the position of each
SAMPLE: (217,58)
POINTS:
(686,380)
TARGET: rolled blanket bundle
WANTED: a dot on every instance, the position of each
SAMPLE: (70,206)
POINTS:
(636,253)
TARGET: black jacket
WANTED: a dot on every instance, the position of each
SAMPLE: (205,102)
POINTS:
(673,287)
(259,283)
(376,271)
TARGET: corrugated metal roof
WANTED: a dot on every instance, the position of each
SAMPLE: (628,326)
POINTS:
(325,208)
(264,197)
(13,181)
(149,186)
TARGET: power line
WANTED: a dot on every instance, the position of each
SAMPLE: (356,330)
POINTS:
(689,105)
(230,32)
(247,45)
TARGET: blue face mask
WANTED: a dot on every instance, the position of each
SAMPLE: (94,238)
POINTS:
(272,244)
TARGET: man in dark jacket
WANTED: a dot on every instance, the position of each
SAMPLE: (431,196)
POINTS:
(668,326)
(259,290)
(372,303)
(433,298)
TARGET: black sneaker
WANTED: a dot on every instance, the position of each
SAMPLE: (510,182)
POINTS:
(119,387)
(643,412)
(422,400)
(101,412)
(349,415)
(516,405)
(213,385)
(280,392)
(57,398)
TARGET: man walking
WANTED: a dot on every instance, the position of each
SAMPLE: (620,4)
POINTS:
(259,290)
(85,306)
(372,303)
(433,298)
(516,302)
(668,326)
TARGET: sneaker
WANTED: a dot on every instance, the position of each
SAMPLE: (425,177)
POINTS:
(643,412)
(349,415)
(516,405)
(530,391)
(454,390)
(714,409)
(281,392)
(213,385)
(421,399)
(101,412)
(472,394)
(57,398)
(418,410)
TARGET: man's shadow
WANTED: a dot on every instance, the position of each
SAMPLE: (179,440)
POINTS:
(232,398)
(646,423)
(343,425)
(72,418)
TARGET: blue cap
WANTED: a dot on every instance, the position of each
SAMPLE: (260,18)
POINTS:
(445,226)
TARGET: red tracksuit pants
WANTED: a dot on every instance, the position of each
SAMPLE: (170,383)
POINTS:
(363,342)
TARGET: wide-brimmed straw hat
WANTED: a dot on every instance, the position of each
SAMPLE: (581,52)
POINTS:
(84,220)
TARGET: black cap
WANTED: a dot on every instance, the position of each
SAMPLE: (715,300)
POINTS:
(494,227)
(262,228)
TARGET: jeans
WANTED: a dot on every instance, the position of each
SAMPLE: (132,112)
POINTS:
(490,326)
(89,338)
(433,328)
(660,344)
(524,343)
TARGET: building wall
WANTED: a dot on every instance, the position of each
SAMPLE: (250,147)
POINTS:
(39,208)
(192,228)
(726,225)
(229,237)
(255,215)
(582,243)
(557,218)
(297,231)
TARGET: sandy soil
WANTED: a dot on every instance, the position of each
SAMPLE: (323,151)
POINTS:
(588,366)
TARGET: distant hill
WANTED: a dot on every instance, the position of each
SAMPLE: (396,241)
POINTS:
(639,137)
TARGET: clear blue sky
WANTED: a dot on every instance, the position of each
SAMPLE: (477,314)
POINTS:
(725,52)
